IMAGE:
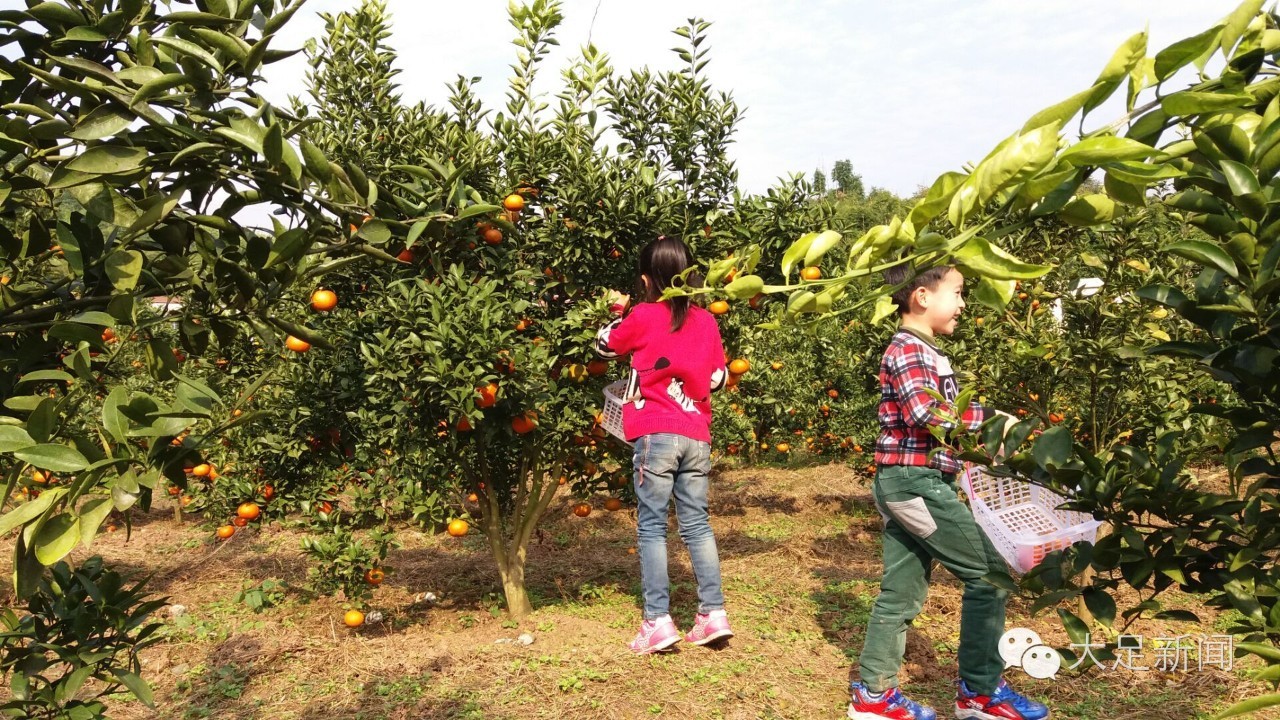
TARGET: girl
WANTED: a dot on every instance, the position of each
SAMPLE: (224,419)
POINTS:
(677,360)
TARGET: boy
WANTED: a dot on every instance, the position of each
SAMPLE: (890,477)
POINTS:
(924,519)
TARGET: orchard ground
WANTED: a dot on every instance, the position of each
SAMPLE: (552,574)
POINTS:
(800,552)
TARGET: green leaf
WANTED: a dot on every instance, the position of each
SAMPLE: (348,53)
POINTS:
(1180,54)
(93,512)
(745,287)
(103,121)
(1059,112)
(123,269)
(990,261)
(30,510)
(56,538)
(796,252)
(1053,448)
(1075,627)
(1089,210)
(114,420)
(14,437)
(1250,706)
(475,209)
(290,245)
(1101,605)
(1237,22)
(52,456)
(46,376)
(108,160)
(885,308)
(994,293)
(1014,160)
(158,86)
(826,240)
(316,162)
(1204,253)
(1191,102)
(137,686)
(1105,149)
(190,48)
(375,231)
(1117,69)
(937,199)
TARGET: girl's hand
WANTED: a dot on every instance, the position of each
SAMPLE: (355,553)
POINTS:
(618,302)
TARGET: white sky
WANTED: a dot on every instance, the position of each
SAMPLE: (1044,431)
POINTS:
(905,90)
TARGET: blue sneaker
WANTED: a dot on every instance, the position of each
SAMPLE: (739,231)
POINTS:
(866,705)
(1003,704)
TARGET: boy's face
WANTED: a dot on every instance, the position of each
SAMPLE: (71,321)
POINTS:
(942,305)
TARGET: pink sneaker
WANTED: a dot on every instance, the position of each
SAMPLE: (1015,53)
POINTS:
(709,628)
(655,636)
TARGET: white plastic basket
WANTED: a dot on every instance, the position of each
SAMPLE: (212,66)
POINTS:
(1022,519)
(613,409)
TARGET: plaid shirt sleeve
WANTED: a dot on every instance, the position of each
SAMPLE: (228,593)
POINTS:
(912,372)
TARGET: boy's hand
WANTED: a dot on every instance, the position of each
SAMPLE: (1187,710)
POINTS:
(618,302)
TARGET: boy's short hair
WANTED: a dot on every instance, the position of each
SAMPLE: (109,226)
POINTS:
(905,273)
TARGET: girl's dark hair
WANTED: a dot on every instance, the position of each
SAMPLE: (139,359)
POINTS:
(662,261)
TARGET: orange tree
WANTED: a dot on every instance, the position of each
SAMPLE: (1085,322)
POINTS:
(1217,176)
(464,369)
(138,165)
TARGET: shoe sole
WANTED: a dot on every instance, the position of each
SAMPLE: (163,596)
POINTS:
(664,645)
(970,714)
(718,635)
(855,715)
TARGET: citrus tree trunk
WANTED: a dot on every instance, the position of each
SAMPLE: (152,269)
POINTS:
(509,534)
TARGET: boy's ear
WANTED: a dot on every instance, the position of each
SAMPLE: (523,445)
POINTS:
(920,297)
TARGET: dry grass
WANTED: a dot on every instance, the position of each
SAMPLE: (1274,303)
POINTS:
(800,557)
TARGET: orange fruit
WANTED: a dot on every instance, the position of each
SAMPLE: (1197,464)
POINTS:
(488,395)
(248,511)
(596,368)
(719,307)
(1055,418)
(581,509)
(239,521)
(187,500)
(324,300)
(464,425)
(297,345)
(739,367)
(775,365)
(40,478)
(268,492)
(405,255)
(202,470)
(325,507)
(784,448)
(374,576)
(226,531)
(811,273)
(458,527)
(493,236)
(756,300)
(833,393)
(979,320)
(857,448)
(524,422)
(353,619)
(613,504)
(513,202)
(473,498)
(108,335)
(174,490)
(213,474)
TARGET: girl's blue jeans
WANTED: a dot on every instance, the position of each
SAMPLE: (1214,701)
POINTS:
(667,466)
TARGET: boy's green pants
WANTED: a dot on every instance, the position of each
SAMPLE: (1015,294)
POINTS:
(925,521)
